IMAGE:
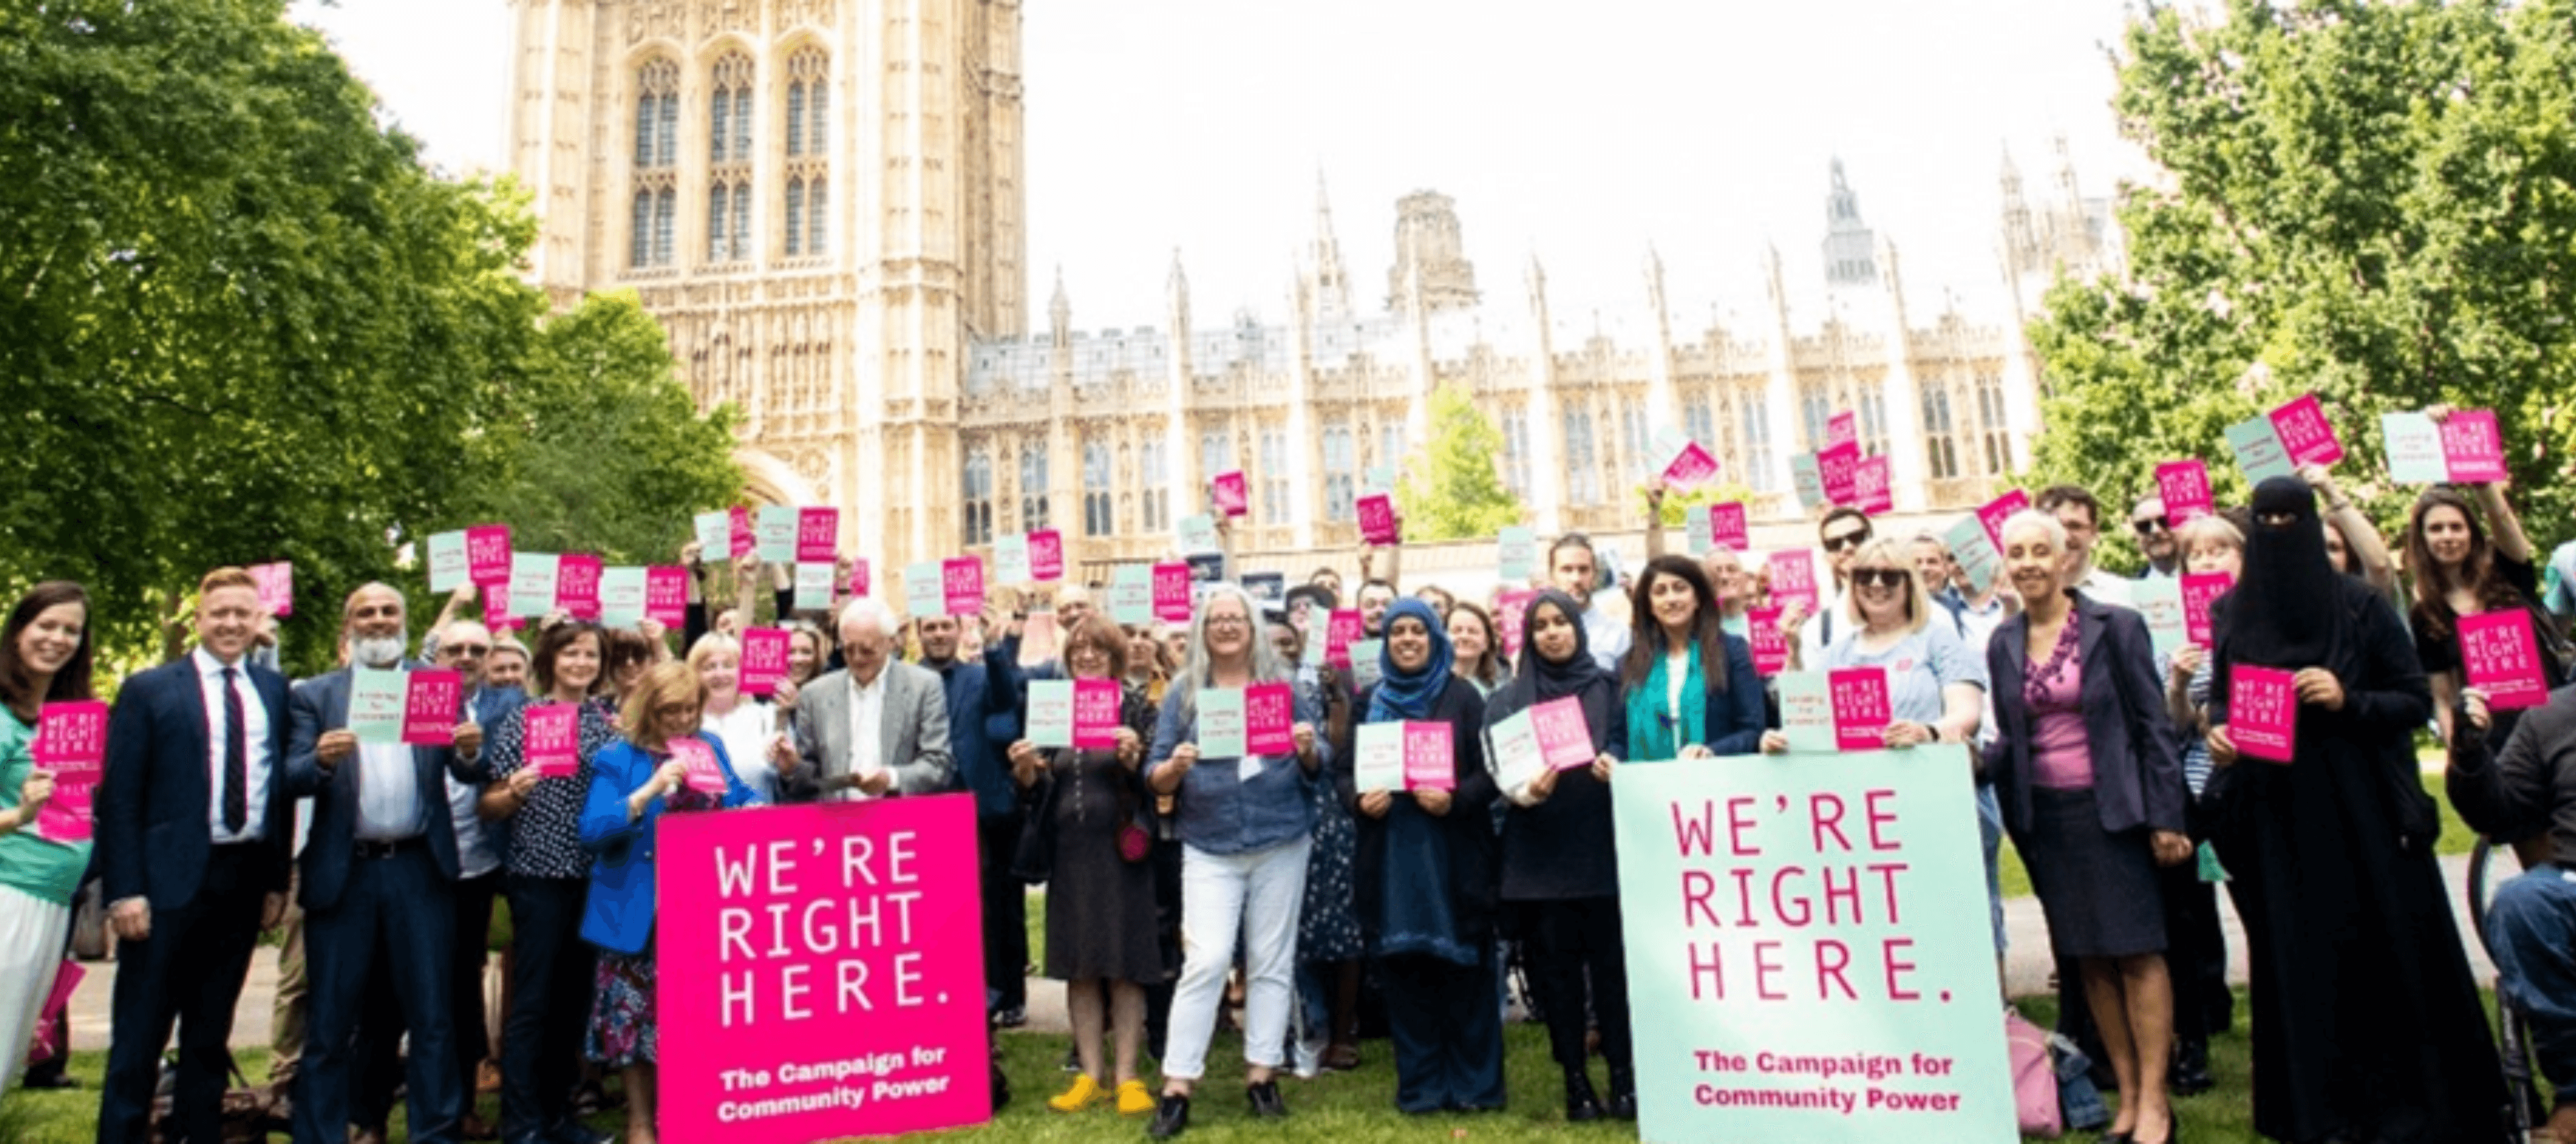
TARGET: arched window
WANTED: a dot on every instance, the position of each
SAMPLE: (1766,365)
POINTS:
(1992,425)
(1154,472)
(1633,437)
(1096,511)
(1341,467)
(979,497)
(1033,486)
(1216,454)
(809,165)
(1940,447)
(729,106)
(1582,481)
(1274,477)
(1516,459)
(657,128)
(1757,441)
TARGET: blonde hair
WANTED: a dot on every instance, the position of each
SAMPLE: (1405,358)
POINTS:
(710,646)
(1888,552)
(2212,529)
(663,685)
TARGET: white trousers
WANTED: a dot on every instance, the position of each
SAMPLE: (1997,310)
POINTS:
(1259,895)
(31,950)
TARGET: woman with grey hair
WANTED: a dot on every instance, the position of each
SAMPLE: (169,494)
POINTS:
(1245,828)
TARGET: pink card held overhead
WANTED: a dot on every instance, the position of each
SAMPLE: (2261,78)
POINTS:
(1046,556)
(1870,481)
(2500,655)
(1687,463)
(276,587)
(552,747)
(577,585)
(1377,518)
(666,595)
(1564,738)
(1861,707)
(71,741)
(1342,629)
(1995,512)
(744,537)
(2305,434)
(2472,446)
(818,535)
(961,583)
(764,660)
(496,608)
(1793,577)
(1172,593)
(1770,648)
(705,775)
(1269,719)
(433,704)
(487,554)
(1840,465)
(1233,495)
(2199,591)
(1842,429)
(1095,714)
(2262,712)
(2184,487)
(1430,756)
(1727,527)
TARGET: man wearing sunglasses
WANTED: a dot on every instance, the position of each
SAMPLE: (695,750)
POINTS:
(1840,534)
(2156,539)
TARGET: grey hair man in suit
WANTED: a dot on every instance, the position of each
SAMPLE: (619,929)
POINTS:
(875,728)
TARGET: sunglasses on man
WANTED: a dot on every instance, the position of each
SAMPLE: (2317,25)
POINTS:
(2152,525)
(1846,540)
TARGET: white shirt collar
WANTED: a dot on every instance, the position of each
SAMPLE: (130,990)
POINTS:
(209,667)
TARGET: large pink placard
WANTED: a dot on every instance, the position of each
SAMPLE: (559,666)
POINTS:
(552,747)
(2262,712)
(1770,648)
(1095,714)
(2500,655)
(1172,593)
(764,660)
(433,704)
(71,741)
(2199,591)
(487,554)
(2473,447)
(1430,755)
(1232,493)
(1793,577)
(961,584)
(1862,707)
(2305,433)
(1870,481)
(1727,526)
(577,585)
(1564,737)
(820,974)
(1269,719)
(1839,464)
(1377,518)
(2184,487)
(818,535)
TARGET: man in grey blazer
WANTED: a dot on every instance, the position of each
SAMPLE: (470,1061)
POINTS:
(877,727)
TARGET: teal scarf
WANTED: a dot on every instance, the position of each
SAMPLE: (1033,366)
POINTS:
(1653,733)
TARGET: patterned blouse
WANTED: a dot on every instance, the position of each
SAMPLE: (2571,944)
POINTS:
(545,836)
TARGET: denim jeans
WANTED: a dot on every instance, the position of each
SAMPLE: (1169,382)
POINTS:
(2531,931)
(1259,895)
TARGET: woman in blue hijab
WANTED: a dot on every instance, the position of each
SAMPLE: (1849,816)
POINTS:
(1425,876)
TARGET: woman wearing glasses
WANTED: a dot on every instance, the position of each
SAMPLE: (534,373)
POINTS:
(1689,689)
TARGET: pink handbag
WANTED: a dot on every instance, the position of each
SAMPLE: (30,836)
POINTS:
(2034,1077)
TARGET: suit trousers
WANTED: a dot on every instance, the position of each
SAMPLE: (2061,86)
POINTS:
(381,1029)
(551,977)
(396,912)
(188,973)
(1006,925)
(1571,942)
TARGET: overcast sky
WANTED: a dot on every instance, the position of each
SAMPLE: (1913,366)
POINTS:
(1578,133)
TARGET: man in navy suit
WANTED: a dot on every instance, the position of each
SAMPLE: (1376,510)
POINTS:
(379,872)
(193,825)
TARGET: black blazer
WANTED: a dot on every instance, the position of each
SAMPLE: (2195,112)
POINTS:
(2137,764)
(153,801)
(322,704)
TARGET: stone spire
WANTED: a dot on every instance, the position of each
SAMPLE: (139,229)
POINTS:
(1850,246)
(1430,258)
(1060,311)
(1332,283)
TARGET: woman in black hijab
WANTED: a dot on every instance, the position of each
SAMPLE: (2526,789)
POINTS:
(1560,869)
(2367,1025)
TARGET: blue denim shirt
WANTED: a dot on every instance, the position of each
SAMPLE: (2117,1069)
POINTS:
(1219,811)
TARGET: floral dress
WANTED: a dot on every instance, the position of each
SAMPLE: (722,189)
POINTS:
(1328,928)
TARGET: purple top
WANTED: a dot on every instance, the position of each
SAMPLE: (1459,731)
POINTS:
(2061,754)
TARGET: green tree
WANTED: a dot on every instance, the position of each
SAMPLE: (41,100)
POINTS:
(2372,201)
(1450,489)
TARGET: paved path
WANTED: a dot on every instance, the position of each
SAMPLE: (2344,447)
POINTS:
(2026,971)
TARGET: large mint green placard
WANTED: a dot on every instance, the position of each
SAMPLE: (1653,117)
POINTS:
(1809,956)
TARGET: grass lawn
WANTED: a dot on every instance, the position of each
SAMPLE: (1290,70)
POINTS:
(1353,1108)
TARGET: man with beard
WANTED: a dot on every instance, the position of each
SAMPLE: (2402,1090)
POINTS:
(377,882)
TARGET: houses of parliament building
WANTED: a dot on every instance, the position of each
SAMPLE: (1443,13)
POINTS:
(823,202)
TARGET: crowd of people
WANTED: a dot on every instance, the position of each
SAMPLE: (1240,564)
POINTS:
(1181,885)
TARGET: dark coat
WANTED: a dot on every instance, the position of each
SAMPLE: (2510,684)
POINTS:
(1468,827)
(2137,763)
(154,797)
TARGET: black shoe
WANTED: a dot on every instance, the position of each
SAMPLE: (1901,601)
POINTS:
(49,1080)
(1582,1105)
(1012,1018)
(576,1132)
(1623,1093)
(1171,1118)
(1266,1104)
(2190,1073)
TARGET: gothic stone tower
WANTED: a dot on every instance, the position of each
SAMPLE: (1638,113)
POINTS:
(822,200)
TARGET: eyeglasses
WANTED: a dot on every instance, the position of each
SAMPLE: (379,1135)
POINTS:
(1231,623)
(1846,540)
(1881,577)
(467,650)
(2152,525)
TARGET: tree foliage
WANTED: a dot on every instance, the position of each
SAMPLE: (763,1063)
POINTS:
(1450,489)
(2372,201)
(240,320)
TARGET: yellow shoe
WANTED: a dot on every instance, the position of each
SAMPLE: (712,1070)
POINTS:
(1134,1099)
(1084,1093)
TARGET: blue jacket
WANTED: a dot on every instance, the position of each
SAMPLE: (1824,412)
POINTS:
(151,804)
(983,721)
(618,915)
